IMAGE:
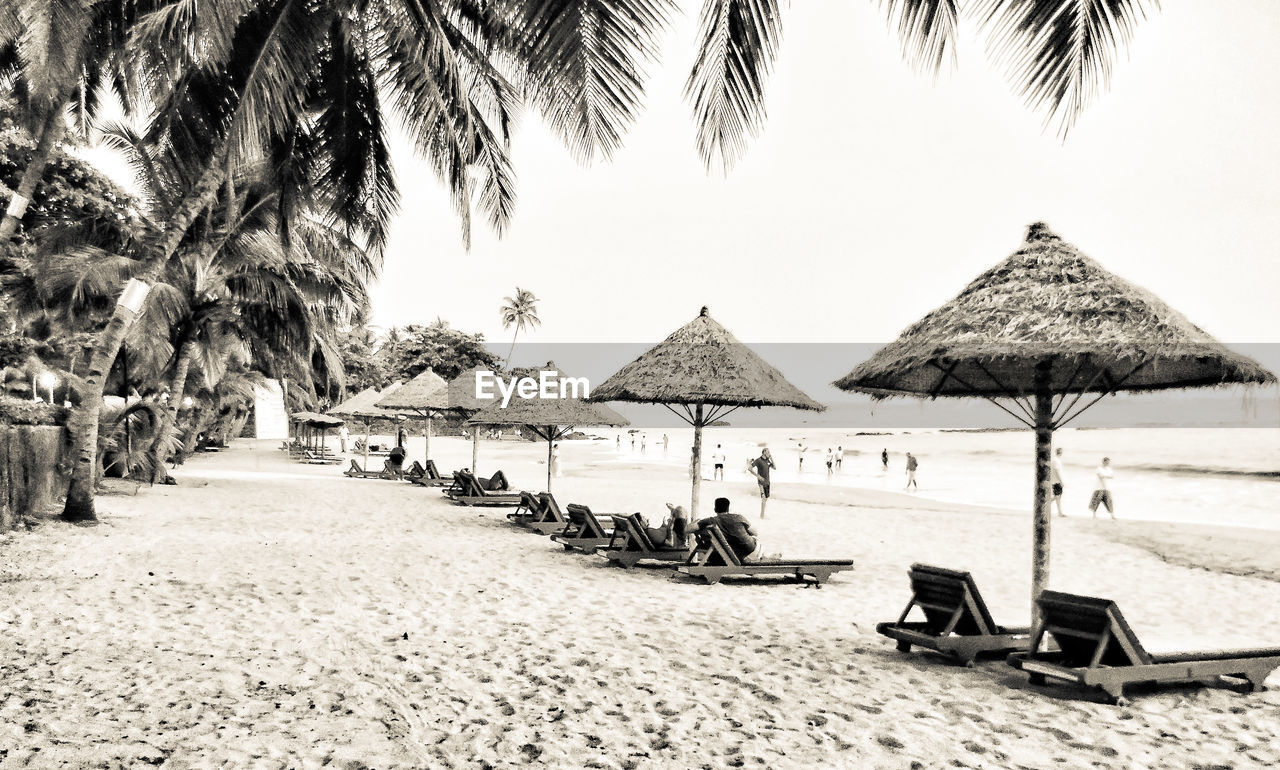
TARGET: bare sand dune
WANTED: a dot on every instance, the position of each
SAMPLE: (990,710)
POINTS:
(268,614)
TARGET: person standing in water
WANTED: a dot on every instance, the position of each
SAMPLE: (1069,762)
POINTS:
(760,468)
(839,457)
(911,471)
(884,459)
(717,460)
(801,451)
(1102,489)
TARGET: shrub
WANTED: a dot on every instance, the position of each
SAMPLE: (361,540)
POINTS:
(18,411)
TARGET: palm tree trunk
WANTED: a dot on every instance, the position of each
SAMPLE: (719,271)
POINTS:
(512,349)
(169,421)
(84,417)
(50,132)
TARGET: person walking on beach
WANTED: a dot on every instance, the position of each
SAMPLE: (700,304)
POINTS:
(1055,478)
(664,445)
(760,468)
(633,442)
(343,435)
(884,459)
(555,460)
(911,472)
(617,442)
(402,436)
(717,460)
(839,457)
(831,461)
(644,440)
(1102,489)
(802,448)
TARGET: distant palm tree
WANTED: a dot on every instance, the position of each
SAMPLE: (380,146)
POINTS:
(520,311)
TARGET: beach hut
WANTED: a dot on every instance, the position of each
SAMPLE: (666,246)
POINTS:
(425,395)
(363,406)
(548,418)
(1044,335)
(702,369)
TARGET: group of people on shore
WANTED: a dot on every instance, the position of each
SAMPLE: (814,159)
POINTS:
(1101,494)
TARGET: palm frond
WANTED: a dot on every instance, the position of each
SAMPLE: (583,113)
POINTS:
(587,66)
(1059,53)
(927,30)
(737,43)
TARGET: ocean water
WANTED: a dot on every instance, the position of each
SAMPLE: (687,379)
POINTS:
(1226,476)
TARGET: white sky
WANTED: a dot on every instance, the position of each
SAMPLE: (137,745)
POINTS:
(875,194)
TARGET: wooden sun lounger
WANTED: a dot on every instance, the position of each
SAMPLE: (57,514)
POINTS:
(315,458)
(715,559)
(1097,648)
(468,490)
(957,622)
(540,513)
(630,544)
(584,531)
(427,475)
(387,472)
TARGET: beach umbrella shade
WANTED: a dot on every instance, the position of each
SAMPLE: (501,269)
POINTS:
(315,422)
(363,406)
(701,373)
(548,418)
(464,401)
(1044,335)
(425,395)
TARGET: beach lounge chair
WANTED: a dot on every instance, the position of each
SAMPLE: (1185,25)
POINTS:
(356,472)
(540,513)
(631,544)
(956,622)
(714,559)
(584,531)
(467,489)
(430,476)
(1097,648)
(316,458)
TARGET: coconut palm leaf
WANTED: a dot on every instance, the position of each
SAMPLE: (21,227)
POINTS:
(737,43)
(927,30)
(1059,53)
(586,63)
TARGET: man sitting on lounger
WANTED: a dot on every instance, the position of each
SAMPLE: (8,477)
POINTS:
(737,531)
(395,461)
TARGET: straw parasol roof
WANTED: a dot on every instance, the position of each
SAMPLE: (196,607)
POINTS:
(316,420)
(702,363)
(550,418)
(425,393)
(703,369)
(461,396)
(1037,332)
(363,404)
(1049,301)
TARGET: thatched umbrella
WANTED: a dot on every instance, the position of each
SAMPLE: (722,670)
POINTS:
(426,395)
(1041,330)
(705,371)
(549,418)
(363,406)
(316,421)
(463,400)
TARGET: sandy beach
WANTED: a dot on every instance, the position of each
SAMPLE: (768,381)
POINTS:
(270,614)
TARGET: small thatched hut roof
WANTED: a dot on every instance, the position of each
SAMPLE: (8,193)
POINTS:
(1049,302)
(547,411)
(363,404)
(702,363)
(425,393)
(316,420)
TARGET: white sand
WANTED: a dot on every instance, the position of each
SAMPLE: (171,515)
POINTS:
(251,617)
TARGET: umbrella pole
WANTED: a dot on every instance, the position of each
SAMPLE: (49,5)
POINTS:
(426,436)
(550,443)
(367,424)
(1043,493)
(475,450)
(697,463)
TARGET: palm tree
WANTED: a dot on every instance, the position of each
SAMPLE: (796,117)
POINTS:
(1058,55)
(521,312)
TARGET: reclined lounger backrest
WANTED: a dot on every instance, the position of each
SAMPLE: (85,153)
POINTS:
(586,523)
(941,592)
(1089,631)
(637,538)
(722,554)
(550,508)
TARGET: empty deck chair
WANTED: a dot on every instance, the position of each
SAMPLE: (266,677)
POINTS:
(584,532)
(631,544)
(316,458)
(469,490)
(1097,648)
(956,622)
(540,513)
(356,472)
(430,476)
(715,559)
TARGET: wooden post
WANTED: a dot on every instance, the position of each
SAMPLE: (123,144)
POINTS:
(1043,490)
(697,462)
(550,444)
(475,450)
(426,437)
(367,423)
